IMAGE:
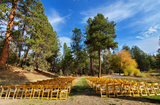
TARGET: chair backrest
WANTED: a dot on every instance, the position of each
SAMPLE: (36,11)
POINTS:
(5,88)
(155,85)
(63,87)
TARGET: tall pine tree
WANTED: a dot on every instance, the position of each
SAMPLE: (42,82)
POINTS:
(101,35)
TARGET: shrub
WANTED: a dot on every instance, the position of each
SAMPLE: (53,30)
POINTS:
(136,72)
(28,68)
(111,72)
(130,71)
(141,75)
(125,72)
(61,73)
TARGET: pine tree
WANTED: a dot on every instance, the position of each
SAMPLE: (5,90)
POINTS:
(90,48)
(102,35)
(76,45)
(9,9)
(4,6)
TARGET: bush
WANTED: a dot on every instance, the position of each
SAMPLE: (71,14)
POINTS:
(136,72)
(111,72)
(141,75)
(61,73)
(28,68)
(125,72)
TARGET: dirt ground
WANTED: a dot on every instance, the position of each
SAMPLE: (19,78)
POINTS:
(16,75)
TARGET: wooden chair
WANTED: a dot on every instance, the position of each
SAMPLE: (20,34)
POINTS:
(142,89)
(118,89)
(28,91)
(36,91)
(149,88)
(4,92)
(54,92)
(12,91)
(156,88)
(20,91)
(63,94)
(110,90)
(126,90)
(98,84)
(45,92)
(135,89)
(103,90)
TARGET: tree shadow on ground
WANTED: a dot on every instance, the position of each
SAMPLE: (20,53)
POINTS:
(88,91)
(77,90)
(141,99)
(80,90)
(46,73)
(12,77)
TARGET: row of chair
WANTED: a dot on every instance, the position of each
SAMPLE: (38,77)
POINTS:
(45,89)
(117,87)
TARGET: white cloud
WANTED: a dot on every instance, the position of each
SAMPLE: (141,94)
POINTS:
(55,19)
(63,40)
(149,32)
(140,14)
(139,37)
(148,45)
(117,11)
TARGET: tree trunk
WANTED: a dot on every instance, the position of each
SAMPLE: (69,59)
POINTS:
(24,59)
(4,54)
(76,70)
(20,48)
(99,54)
(91,65)
(32,65)
(37,62)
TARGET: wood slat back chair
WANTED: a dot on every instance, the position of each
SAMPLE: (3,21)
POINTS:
(20,91)
(156,88)
(63,93)
(4,92)
(54,92)
(103,90)
(45,92)
(110,89)
(69,87)
(142,89)
(98,84)
(94,84)
(118,89)
(12,92)
(28,91)
(36,91)
(126,89)
(150,90)
(135,89)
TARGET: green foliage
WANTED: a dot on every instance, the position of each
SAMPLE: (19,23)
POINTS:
(67,60)
(28,68)
(111,72)
(100,35)
(141,75)
(141,58)
(61,73)
(76,46)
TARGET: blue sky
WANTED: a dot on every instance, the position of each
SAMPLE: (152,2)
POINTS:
(138,21)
